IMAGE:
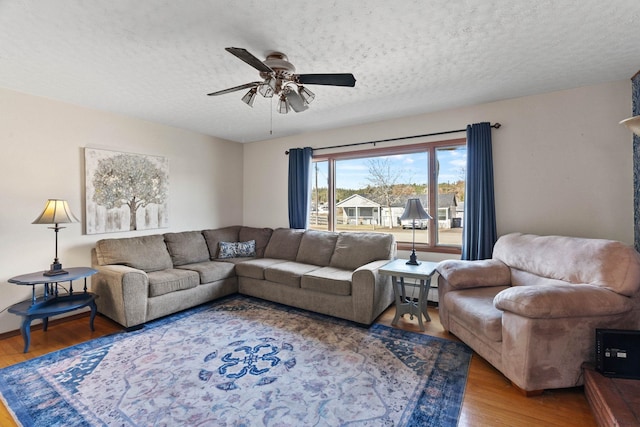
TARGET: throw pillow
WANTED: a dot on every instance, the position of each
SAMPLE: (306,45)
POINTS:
(246,249)
(237,249)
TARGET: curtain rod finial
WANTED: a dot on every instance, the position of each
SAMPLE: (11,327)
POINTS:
(497,125)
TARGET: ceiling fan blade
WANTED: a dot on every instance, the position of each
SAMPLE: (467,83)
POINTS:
(234,89)
(344,79)
(295,101)
(247,57)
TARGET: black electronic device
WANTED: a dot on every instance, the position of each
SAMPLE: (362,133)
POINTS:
(618,353)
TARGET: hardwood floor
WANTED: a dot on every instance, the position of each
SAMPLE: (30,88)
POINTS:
(489,399)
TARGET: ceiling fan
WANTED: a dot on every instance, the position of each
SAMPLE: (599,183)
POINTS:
(279,79)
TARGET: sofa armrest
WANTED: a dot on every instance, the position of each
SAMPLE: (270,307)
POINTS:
(474,274)
(560,301)
(123,293)
(372,292)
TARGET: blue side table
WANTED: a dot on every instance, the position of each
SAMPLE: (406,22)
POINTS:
(52,302)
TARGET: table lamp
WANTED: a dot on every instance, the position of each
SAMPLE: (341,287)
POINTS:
(55,212)
(414,210)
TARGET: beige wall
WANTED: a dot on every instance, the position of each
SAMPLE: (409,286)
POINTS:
(562,163)
(42,157)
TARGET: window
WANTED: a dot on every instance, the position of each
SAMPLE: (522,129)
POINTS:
(367,190)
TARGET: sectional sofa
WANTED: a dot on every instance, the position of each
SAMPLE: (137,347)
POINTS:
(143,278)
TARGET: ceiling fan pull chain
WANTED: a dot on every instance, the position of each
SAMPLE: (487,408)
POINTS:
(271,112)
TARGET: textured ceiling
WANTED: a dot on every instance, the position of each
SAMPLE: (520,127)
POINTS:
(156,59)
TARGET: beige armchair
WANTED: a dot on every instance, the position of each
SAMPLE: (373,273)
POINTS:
(532,310)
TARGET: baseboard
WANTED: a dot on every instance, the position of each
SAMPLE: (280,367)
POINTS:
(17,332)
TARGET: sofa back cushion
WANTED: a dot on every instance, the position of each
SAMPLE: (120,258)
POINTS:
(148,253)
(187,247)
(354,250)
(605,263)
(316,247)
(214,237)
(284,244)
(260,235)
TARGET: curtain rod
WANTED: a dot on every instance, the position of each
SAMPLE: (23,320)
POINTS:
(495,126)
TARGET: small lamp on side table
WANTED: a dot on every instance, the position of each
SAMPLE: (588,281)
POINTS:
(55,212)
(414,210)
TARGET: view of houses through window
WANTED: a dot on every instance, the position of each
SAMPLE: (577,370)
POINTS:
(368,190)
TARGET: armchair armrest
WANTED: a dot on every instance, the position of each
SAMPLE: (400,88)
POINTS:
(474,274)
(560,300)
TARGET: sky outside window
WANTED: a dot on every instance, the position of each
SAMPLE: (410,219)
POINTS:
(353,173)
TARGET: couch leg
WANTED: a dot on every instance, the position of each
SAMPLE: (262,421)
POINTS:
(527,393)
(134,328)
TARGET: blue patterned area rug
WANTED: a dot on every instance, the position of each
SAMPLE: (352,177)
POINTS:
(244,362)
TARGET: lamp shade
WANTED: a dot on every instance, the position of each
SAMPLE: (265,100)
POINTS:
(268,88)
(633,124)
(55,212)
(250,97)
(414,210)
(306,94)
(283,105)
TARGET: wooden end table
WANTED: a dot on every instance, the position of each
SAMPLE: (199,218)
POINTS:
(52,303)
(399,270)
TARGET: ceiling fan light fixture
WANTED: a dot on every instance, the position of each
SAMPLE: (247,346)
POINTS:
(250,97)
(306,94)
(283,105)
(268,88)
(278,79)
(633,124)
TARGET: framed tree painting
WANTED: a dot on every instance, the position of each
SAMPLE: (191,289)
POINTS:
(125,192)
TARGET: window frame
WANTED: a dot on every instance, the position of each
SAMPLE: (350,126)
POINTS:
(430,148)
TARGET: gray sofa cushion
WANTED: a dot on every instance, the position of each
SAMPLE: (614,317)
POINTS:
(316,247)
(171,280)
(187,247)
(254,268)
(354,250)
(211,271)
(260,235)
(288,273)
(329,280)
(148,253)
(214,237)
(284,244)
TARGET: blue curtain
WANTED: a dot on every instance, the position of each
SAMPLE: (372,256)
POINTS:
(299,186)
(479,233)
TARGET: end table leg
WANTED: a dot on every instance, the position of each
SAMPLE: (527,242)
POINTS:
(45,324)
(94,309)
(25,329)
(424,298)
(419,307)
(398,297)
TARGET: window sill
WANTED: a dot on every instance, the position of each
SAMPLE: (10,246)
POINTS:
(421,247)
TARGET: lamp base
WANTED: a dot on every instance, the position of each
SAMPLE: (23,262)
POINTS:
(412,259)
(56,270)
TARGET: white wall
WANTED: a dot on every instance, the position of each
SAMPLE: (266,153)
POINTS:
(42,157)
(562,163)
